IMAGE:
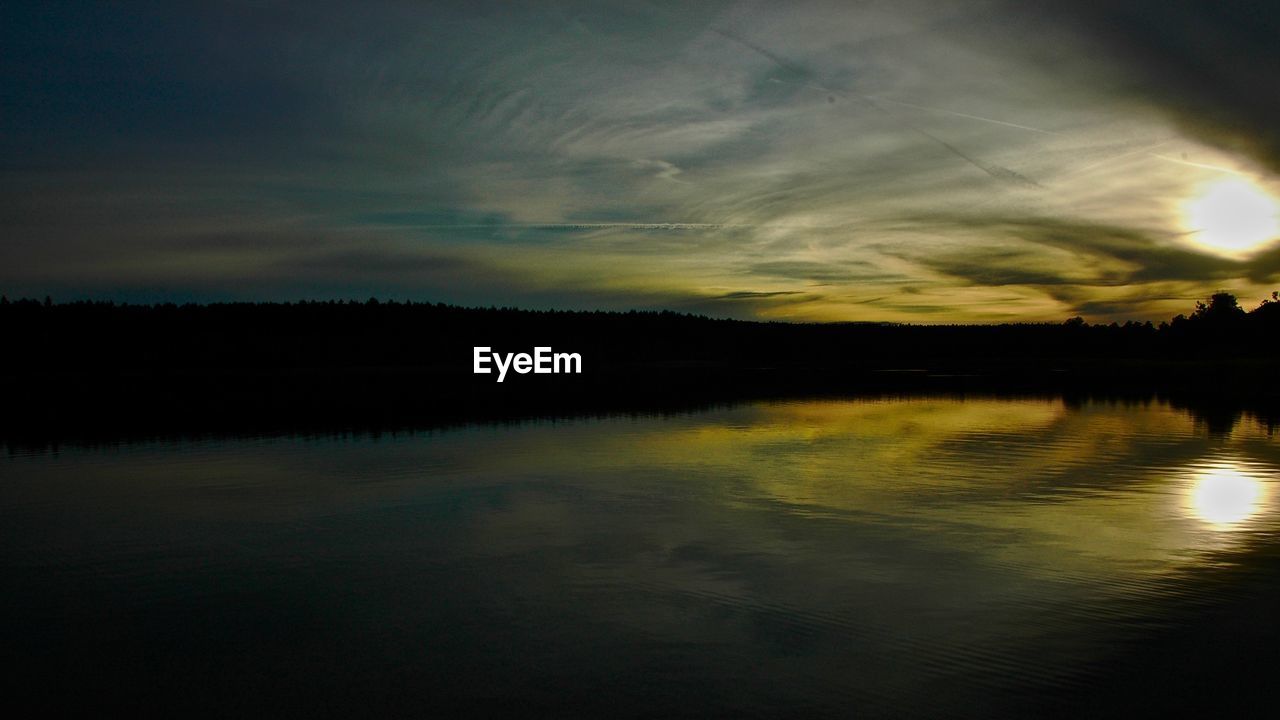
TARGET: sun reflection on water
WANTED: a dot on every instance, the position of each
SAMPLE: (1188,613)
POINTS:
(1226,494)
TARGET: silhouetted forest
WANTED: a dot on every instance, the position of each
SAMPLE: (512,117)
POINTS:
(348,362)
(93,336)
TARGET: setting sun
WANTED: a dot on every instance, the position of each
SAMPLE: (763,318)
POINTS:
(1233,216)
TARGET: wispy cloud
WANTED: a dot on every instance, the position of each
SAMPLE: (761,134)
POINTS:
(898,161)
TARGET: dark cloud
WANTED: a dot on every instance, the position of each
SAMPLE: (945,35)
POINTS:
(757,295)
(820,272)
(1264,268)
(1211,65)
(1124,308)
(1140,256)
(919,309)
(996,268)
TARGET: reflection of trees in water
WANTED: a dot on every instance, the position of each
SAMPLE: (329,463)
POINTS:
(1217,416)
(1220,418)
(1217,420)
(100,366)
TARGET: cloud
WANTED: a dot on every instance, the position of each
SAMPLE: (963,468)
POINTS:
(1000,160)
(1126,255)
(828,272)
(756,295)
(1210,65)
(997,268)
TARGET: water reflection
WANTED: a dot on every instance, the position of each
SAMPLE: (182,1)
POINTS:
(1225,494)
(815,557)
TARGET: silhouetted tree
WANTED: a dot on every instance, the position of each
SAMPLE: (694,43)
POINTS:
(1222,308)
(372,333)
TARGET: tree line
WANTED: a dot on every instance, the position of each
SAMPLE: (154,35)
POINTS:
(86,335)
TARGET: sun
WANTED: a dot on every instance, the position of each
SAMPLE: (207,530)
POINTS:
(1232,217)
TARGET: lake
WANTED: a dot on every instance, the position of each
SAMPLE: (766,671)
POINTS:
(872,557)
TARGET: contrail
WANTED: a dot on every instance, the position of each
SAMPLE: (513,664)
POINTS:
(1198,165)
(1142,151)
(1145,150)
(588,226)
(996,171)
(953,113)
(777,59)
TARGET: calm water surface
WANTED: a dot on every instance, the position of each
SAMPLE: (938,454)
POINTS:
(870,558)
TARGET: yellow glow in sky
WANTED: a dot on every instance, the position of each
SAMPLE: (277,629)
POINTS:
(1233,217)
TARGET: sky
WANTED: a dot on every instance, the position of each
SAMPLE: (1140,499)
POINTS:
(909,161)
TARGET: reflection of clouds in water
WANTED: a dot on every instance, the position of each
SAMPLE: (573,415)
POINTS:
(827,549)
(932,532)
(1070,493)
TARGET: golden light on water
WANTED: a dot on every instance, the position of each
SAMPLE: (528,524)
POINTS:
(1226,495)
(1232,216)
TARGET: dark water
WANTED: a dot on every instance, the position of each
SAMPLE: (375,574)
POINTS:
(861,558)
